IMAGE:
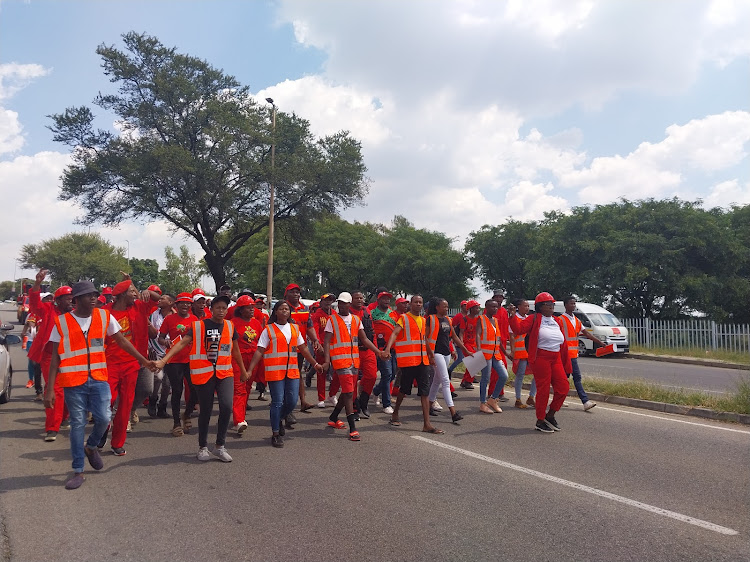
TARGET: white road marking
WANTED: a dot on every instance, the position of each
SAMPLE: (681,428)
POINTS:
(600,407)
(627,501)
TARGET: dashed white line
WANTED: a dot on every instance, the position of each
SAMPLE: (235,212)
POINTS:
(614,497)
(600,407)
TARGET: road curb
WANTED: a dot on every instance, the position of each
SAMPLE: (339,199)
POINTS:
(688,361)
(681,409)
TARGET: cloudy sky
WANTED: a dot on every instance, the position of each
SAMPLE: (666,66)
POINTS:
(469,112)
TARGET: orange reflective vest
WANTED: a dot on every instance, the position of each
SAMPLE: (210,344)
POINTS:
(432,335)
(571,335)
(201,367)
(344,346)
(280,359)
(489,342)
(81,354)
(411,348)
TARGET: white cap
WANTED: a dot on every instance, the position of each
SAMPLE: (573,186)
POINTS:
(198,297)
(345,297)
(44,295)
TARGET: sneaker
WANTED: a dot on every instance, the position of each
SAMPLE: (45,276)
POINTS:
(221,454)
(331,401)
(503,398)
(203,454)
(520,404)
(485,409)
(365,413)
(552,422)
(262,397)
(433,412)
(543,427)
(377,401)
(530,401)
(455,418)
(291,418)
(322,404)
(388,410)
(119,451)
(469,386)
(588,405)
(29,384)
(129,428)
(454,395)
(277,441)
(436,406)
(134,419)
(65,424)
(95,459)
(75,482)
(51,436)
(241,427)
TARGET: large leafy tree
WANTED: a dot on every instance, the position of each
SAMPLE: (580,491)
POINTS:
(181,271)
(194,151)
(76,256)
(143,272)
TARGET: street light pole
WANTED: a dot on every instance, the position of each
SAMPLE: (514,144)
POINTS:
(269,277)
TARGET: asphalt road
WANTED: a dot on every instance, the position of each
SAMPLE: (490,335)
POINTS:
(614,484)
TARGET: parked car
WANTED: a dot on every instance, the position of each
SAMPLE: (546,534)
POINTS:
(6,369)
(599,322)
(23,310)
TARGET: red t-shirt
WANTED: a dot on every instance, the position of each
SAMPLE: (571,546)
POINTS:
(249,332)
(175,326)
(459,323)
(503,325)
(470,333)
(320,319)
(134,327)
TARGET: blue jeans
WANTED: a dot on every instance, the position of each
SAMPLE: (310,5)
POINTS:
(92,396)
(486,372)
(283,399)
(522,363)
(577,381)
(457,362)
(387,370)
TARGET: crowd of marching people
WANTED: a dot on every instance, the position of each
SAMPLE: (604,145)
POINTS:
(105,354)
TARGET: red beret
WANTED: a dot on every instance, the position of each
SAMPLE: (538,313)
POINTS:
(122,287)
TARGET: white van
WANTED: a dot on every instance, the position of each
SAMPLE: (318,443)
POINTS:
(599,322)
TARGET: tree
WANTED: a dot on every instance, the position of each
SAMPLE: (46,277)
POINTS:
(76,256)
(143,272)
(6,289)
(195,152)
(181,272)
(501,254)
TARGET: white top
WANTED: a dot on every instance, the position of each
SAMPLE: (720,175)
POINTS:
(522,317)
(85,324)
(347,320)
(550,336)
(286,329)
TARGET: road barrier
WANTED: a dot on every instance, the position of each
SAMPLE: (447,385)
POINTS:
(694,333)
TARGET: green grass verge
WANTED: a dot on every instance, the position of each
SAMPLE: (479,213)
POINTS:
(720,355)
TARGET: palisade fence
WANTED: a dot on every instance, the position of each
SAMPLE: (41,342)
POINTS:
(695,333)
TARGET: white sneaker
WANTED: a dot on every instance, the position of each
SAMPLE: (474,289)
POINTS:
(377,400)
(436,406)
(203,454)
(221,454)
(322,404)
(388,410)
(331,401)
(588,405)
(129,428)
(241,427)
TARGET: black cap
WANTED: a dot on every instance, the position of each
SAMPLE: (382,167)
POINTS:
(220,298)
(83,288)
(225,286)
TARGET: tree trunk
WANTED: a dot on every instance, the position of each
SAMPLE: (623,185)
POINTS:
(216,268)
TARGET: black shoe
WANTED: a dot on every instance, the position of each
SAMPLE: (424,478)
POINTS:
(151,408)
(282,430)
(433,412)
(456,417)
(365,413)
(356,417)
(119,451)
(161,412)
(475,380)
(454,394)
(469,386)
(51,436)
(290,419)
(277,441)
(543,427)
(103,440)
(552,422)
(503,398)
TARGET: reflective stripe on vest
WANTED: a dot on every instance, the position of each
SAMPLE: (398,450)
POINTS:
(201,367)
(82,354)
(411,349)
(280,359)
(571,335)
(489,342)
(344,350)
(432,335)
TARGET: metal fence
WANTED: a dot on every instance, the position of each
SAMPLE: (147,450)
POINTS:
(688,334)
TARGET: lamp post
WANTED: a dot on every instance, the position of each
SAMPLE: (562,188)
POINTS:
(269,277)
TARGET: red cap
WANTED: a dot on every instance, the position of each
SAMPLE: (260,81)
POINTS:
(472,303)
(184,297)
(385,294)
(244,300)
(122,287)
(102,299)
(107,291)
(544,297)
(259,301)
(154,288)
(291,286)
(464,303)
(197,291)
(399,300)
(64,290)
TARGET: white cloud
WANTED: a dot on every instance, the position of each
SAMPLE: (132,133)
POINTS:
(14,77)
(11,138)
(728,193)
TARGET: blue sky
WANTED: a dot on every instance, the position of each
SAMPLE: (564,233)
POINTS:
(469,111)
